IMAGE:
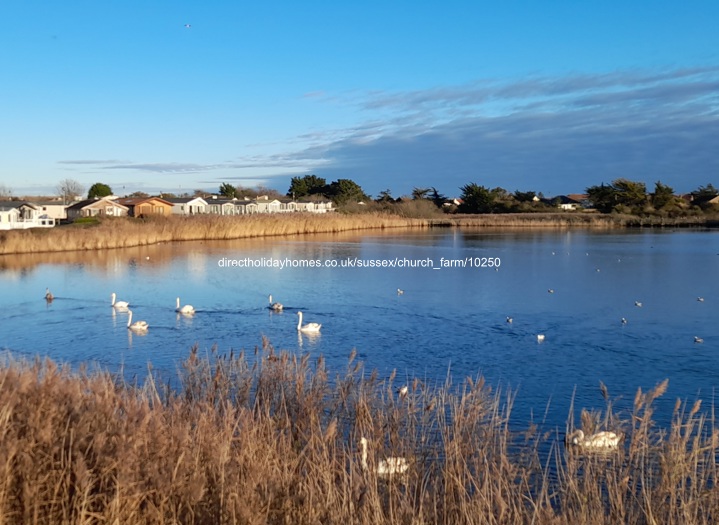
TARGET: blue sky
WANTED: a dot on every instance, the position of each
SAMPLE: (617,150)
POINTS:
(544,96)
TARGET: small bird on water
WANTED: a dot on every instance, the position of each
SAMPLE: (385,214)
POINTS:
(48,295)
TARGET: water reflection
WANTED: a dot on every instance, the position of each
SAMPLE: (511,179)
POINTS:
(449,322)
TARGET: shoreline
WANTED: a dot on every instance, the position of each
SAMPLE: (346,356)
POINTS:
(129,232)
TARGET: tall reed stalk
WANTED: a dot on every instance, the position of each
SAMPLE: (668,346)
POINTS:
(272,437)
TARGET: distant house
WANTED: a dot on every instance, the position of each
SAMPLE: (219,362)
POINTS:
(313,205)
(188,205)
(222,206)
(142,206)
(20,215)
(96,208)
(565,202)
(55,209)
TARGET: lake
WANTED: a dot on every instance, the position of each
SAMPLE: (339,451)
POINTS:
(450,321)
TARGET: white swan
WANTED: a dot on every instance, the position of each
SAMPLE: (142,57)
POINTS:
(48,295)
(698,339)
(400,291)
(188,309)
(386,468)
(638,304)
(540,338)
(309,327)
(402,392)
(601,441)
(510,320)
(118,304)
(277,307)
(137,326)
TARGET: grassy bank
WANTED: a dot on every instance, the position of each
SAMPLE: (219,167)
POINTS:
(271,439)
(569,220)
(128,232)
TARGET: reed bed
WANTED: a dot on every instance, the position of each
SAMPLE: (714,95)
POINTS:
(559,220)
(273,438)
(129,232)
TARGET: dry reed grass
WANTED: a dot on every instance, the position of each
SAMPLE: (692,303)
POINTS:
(129,232)
(272,439)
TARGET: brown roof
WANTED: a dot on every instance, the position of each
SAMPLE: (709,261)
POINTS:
(134,201)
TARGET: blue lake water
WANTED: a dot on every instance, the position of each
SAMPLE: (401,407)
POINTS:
(448,321)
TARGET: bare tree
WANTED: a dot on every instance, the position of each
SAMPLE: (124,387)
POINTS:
(69,189)
(5,192)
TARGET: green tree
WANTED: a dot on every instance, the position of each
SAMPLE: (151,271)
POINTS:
(343,191)
(621,192)
(524,196)
(307,185)
(663,196)
(602,197)
(98,190)
(630,193)
(385,196)
(420,193)
(705,192)
(228,190)
(702,196)
(437,198)
(476,199)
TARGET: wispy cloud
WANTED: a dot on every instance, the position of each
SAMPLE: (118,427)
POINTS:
(159,167)
(87,162)
(547,134)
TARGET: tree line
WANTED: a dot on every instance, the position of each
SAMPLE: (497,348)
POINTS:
(620,196)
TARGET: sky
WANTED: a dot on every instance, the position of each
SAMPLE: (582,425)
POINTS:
(550,97)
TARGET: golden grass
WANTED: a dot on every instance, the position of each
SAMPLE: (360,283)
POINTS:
(128,232)
(271,439)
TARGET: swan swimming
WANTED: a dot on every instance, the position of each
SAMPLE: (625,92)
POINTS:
(188,309)
(698,339)
(540,338)
(387,467)
(309,327)
(137,326)
(48,295)
(638,304)
(277,307)
(510,320)
(400,291)
(600,441)
(118,304)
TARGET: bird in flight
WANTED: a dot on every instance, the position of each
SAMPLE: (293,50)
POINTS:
(187,26)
